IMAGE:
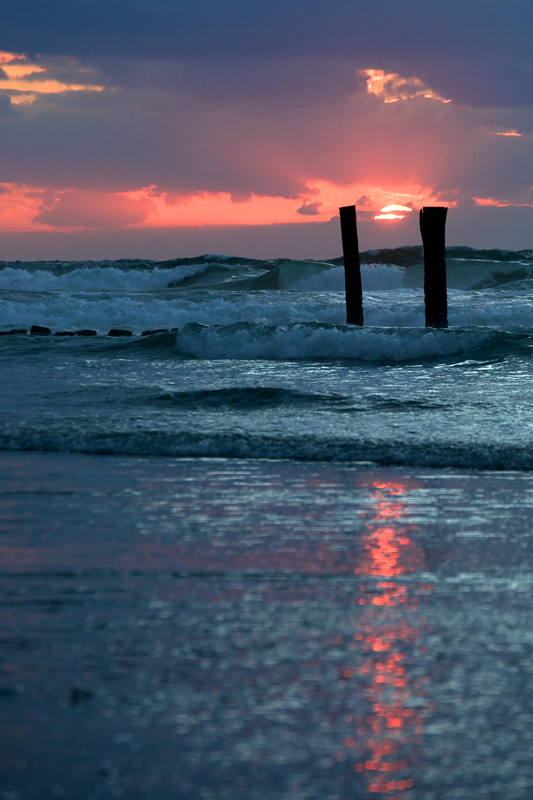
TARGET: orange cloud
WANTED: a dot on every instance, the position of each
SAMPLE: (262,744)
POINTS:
(391,88)
(493,201)
(24,81)
(80,209)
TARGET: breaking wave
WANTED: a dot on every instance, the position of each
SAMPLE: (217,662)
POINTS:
(189,444)
(248,341)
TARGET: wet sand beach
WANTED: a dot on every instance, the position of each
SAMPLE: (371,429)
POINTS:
(211,628)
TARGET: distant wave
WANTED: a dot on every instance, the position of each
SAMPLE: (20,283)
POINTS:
(382,269)
(91,278)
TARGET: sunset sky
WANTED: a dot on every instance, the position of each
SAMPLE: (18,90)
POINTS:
(169,128)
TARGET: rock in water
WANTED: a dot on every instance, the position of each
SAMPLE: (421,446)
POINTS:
(119,332)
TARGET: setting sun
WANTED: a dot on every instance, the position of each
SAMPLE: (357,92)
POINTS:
(391,212)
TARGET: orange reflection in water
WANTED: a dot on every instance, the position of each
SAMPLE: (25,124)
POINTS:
(387,634)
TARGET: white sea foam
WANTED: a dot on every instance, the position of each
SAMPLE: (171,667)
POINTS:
(302,276)
(94,279)
(248,341)
(292,275)
(137,311)
(154,311)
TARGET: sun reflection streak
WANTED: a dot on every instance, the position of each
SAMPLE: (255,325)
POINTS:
(387,737)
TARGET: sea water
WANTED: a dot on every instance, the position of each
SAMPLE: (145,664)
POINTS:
(257,361)
(260,553)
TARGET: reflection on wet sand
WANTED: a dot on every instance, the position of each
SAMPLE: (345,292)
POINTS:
(386,739)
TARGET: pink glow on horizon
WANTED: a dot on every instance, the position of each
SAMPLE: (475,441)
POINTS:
(36,208)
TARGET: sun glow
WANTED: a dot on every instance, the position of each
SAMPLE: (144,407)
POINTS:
(24,207)
(391,212)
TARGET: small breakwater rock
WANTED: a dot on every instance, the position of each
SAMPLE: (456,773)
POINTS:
(40,330)
(119,332)
(79,694)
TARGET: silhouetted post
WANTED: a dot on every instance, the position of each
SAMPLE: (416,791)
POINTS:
(432,228)
(352,267)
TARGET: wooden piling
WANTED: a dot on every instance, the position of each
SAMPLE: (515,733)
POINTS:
(352,266)
(432,228)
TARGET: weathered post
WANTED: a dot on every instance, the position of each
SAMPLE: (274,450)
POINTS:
(432,228)
(352,267)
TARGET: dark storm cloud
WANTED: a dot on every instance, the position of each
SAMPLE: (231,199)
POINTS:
(310,209)
(493,80)
(117,141)
(211,29)
(279,83)
(7,109)
(477,51)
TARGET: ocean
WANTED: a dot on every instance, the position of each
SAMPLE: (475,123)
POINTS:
(250,552)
